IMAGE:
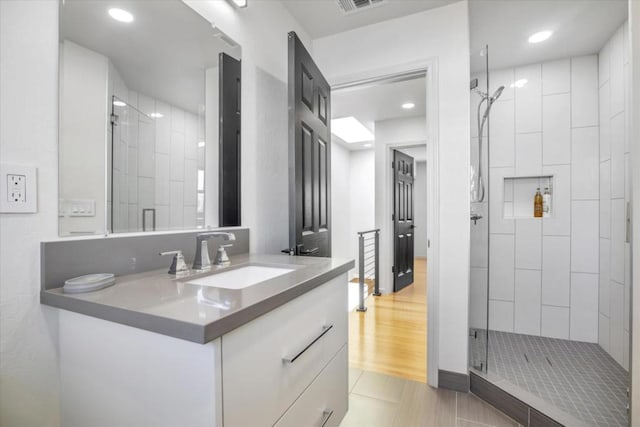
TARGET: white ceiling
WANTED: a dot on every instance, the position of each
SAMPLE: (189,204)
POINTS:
(324,17)
(580,27)
(381,101)
(163,53)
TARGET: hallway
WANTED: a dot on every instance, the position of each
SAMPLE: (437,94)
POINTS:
(390,337)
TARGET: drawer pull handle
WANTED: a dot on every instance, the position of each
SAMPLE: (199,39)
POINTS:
(291,359)
(326,414)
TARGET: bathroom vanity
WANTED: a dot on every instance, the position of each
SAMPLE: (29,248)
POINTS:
(259,343)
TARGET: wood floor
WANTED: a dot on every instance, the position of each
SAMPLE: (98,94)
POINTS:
(390,337)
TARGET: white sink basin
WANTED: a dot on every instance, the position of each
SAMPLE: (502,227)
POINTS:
(242,277)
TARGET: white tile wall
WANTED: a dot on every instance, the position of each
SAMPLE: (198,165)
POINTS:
(478,292)
(555,322)
(502,146)
(617,156)
(501,315)
(604,277)
(584,236)
(162,179)
(501,267)
(585,164)
(529,154)
(176,205)
(584,91)
(556,270)
(603,332)
(605,123)
(556,129)
(616,322)
(560,223)
(614,193)
(528,244)
(536,265)
(584,307)
(527,302)
(499,224)
(618,216)
(529,99)
(556,77)
(605,199)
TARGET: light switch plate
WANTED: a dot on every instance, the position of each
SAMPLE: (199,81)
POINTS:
(18,188)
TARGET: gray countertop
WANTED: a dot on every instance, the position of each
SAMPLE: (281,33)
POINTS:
(158,302)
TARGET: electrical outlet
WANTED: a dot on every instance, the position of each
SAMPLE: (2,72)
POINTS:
(18,189)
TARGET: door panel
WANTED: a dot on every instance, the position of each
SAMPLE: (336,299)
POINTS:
(229,146)
(309,154)
(403,225)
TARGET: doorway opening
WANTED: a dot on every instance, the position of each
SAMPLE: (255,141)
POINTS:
(390,337)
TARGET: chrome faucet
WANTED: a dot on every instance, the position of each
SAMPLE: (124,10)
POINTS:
(202,260)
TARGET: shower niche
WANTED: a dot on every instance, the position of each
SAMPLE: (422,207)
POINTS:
(519,193)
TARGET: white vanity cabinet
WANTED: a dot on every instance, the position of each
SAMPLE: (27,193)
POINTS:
(287,367)
(269,362)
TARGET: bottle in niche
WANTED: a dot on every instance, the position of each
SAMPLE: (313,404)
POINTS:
(537,204)
(546,203)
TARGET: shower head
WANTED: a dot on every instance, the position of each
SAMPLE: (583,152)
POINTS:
(496,94)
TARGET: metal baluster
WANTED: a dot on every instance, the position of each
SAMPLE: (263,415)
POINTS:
(376,289)
(361,306)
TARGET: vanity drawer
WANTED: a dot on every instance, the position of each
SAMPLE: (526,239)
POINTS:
(268,362)
(324,403)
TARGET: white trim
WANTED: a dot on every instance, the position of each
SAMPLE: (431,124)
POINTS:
(430,67)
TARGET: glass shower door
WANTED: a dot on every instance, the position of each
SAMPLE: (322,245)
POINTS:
(479,219)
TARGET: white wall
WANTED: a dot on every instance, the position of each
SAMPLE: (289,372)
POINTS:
(442,36)
(420,209)
(341,187)
(28,135)
(615,193)
(543,273)
(361,202)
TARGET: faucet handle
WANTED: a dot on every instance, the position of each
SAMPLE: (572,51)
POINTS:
(177,263)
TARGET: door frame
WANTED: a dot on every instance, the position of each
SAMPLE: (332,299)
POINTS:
(429,68)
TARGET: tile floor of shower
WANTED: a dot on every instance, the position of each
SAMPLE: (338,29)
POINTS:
(578,378)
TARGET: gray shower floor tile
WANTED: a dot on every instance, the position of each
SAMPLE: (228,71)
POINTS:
(577,377)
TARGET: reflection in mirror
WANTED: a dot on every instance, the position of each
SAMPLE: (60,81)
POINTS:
(139,117)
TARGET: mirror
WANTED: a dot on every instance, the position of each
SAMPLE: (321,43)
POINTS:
(141,147)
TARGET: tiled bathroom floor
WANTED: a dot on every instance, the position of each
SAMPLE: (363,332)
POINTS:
(578,378)
(378,400)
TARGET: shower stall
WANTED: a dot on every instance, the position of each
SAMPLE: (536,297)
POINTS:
(549,312)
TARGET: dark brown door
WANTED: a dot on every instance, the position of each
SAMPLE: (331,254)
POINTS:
(309,154)
(402,220)
(229,141)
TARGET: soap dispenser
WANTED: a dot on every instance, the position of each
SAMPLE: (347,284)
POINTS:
(546,203)
(537,204)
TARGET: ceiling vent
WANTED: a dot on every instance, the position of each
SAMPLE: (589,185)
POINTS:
(352,6)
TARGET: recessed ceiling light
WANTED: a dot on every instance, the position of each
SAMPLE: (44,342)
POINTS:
(201,144)
(350,130)
(121,15)
(540,36)
(408,105)
(368,145)
(156,115)
(119,104)
(519,83)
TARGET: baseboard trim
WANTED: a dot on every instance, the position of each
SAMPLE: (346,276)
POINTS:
(453,381)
